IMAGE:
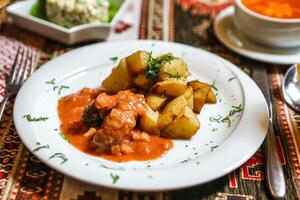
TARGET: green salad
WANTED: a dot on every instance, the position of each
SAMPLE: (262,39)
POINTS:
(70,13)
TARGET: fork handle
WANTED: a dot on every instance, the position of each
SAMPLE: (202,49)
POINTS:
(275,177)
(3,105)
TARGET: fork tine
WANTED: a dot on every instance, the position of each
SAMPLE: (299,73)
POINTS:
(32,62)
(12,74)
(22,67)
(28,64)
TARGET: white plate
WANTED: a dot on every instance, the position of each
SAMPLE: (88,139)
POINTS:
(234,40)
(19,13)
(190,162)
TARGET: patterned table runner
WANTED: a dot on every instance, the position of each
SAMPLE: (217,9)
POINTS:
(22,176)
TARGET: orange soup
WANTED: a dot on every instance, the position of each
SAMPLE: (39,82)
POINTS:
(284,9)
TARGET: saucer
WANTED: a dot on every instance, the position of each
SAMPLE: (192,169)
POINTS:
(227,34)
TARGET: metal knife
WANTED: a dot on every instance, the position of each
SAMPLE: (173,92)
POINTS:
(273,167)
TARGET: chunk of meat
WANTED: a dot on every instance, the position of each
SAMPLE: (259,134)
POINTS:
(117,127)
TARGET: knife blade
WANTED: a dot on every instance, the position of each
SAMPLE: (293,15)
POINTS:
(273,168)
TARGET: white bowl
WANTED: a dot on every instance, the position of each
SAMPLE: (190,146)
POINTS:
(270,31)
(19,12)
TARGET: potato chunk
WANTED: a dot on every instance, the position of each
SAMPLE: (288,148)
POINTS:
(142,81)
(199,98)
(149,121)
(171,111)
(172,88)
(119,79)
(138,61)
(189,97)
(202,93)
(211,97)
(185,126)
(156,101)
(175,68)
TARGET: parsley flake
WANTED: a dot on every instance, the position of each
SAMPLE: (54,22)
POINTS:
(228,118)
(113,168)
(41,147)
(61,156)
(213,86)
(213,147)
(114,178)
(34,119)
(154,64)
(114,59)
(51,82)
(232,78)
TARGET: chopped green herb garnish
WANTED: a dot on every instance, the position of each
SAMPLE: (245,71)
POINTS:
(114,58)
(154,64)
(55,87)
(114,178)
(184,161)
(213,147)
(41,147)
(37,143)
(151,177)
(227,119)
(34,119)
(236,109)
(62,87)
(51,82)
(213,86)
(232,78)
(61,156)
(215,119)
(113,168)
(214,129)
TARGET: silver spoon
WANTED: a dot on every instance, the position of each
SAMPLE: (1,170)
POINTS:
(291,87)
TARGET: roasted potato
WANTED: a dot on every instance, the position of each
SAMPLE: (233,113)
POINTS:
(171,111)
(199,98)
(119,79)
(138,61)
(189,97)
(197,84)
(142,81)
(156,101)
(211,97)
(175,68)
(172,88)
(185,126)
(149,121)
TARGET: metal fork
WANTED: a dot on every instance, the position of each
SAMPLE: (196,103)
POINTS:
(18,75)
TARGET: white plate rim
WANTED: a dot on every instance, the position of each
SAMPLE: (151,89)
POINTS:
(250,89)
(260,56)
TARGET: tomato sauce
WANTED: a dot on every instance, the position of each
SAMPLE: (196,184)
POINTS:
(71,108)
(285,9)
